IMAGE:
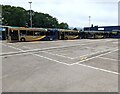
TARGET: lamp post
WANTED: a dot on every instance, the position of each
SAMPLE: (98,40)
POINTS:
(89,22)
(119,13)
(30,15)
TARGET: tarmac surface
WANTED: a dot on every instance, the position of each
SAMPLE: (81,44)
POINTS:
(85,65)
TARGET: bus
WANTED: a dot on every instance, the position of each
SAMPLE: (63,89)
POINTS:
(92,34)
(114,34)
(30,34)
(68,34)
(52,34)
(3,32)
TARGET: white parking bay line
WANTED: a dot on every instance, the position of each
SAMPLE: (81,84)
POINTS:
(11,54)
(57,54)
(74,63)
(86,55)
(14,53)
(13,47)
(104,70)
(109,59)
(45,48)
(94,57)
(43,56)
(52,59)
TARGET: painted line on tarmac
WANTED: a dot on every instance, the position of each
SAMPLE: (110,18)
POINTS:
(25,51)
(56,54)
(96,68)
(49,48)
(33,50)
(100,69)
(52,53)
(44,57)
(109,59)
(76,63)
(95,56)
(52,59)
(86,55)
(9,55)
(12,47)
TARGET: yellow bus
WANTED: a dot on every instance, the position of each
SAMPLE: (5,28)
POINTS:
(68,34)
(25,34)
(92,34)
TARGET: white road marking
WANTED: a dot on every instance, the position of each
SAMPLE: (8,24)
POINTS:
(56,54)
(76,62)
(95,57)
(50,47)
(27,47)
(86,55)
(61,46)
(109,59)
(41,56)
(52,59)
(104,70)
(15,54)
(12,47)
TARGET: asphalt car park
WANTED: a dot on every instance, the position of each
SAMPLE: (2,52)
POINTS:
(85,65)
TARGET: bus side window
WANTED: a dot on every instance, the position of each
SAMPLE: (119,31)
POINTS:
(36,33)
(30,33)
(42,33)
(66,33)
(70,33)
(22,32)
(52,33)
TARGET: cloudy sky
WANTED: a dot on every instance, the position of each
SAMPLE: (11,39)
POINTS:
(74,12)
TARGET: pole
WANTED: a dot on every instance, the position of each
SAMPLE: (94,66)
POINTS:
(30,15)
(119,13)
(89,22)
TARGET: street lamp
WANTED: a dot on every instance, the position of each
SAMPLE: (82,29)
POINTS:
(89,22)
(30,15)
(119,13)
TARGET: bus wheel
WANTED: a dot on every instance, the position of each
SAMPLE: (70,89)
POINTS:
(22,39)
(51,39)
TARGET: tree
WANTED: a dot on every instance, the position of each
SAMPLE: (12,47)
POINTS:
(63,25)
(44,20)
(75,29)
(14,16)
(18,16)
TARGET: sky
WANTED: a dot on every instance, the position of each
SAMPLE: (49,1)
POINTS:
(74,12)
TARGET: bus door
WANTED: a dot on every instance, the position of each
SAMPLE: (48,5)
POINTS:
(55,34)
(62,35)
(50,35)
(14,35)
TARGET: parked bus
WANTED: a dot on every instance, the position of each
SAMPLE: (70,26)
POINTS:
(30,34)
(92,34)
(3,32)
(114,34)
(68,34)
(52,34)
